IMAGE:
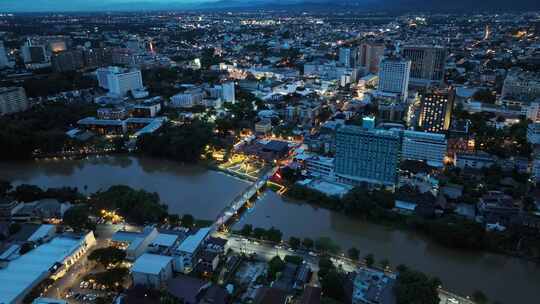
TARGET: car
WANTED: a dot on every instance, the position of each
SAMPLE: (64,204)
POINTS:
(82,284)
(313,254)
(291,250)
(86,285)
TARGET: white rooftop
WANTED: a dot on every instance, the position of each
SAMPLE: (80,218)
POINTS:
(41,232)
(165,240)
(192,242)
(20,274)
(151,263)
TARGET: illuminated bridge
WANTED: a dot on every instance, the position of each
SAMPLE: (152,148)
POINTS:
(232,209)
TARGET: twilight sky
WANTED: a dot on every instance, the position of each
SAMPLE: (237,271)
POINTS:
(100,5)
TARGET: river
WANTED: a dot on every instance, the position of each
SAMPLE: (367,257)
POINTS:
(203,193)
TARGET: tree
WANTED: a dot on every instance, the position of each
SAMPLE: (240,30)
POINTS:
(259,233)
(188,220)
(173,219)
(185,143)
(275,265)
(332,281)
(307,243)
(479,297)
(136,206)
(28,193)
(294,259)
(111,277)
(484,95)
(416,287)
(354,254)
(385,263)
(107,256)
(274,235)
(332,286)
(246,230)
(77,218)
(369,259)
(325,244)
(294,242)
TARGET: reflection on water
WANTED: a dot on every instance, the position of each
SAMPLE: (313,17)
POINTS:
(192,189)
(184,188)
(507,280)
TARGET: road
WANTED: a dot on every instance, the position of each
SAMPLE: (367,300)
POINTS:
(75,273)
(265,252)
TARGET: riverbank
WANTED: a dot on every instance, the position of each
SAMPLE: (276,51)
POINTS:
(188,189)
(450,230)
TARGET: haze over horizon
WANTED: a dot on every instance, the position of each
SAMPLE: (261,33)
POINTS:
(133,5)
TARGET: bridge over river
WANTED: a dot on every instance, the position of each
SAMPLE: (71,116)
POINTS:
(240,200)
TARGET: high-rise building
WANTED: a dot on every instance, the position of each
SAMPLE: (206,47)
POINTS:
(436,110)
(67,60)
(394,76)
(520,88)
(533,133)
(227,92)
(187,99)
(94,58)
(424,146)
(34,54)
(369,56)
(367,155)
(119,81)
(13,100)
(428,64)
(347,57)
(4,61)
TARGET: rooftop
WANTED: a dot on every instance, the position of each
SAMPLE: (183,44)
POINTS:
(192,242)
(20,274)
(151,263)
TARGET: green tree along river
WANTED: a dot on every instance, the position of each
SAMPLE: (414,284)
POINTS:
(203,193)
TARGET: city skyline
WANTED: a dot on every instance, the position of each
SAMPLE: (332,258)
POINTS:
(366,5)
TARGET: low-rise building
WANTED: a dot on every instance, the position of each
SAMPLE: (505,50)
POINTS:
(135,243)
(263,127)
(185,255)
(497,208)
(424,146)
(152,270)
(320,166)
(13,100)
(372,286)
(20,273)
(476,160)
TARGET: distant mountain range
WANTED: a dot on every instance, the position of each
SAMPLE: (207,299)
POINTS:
(327,5)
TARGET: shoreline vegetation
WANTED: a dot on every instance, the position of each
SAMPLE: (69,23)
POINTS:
(118,203)
(451,231)
(410,284)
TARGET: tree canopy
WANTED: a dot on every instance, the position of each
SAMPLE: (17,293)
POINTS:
(415,287)
(136,206)
(107,256)
(185,143)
